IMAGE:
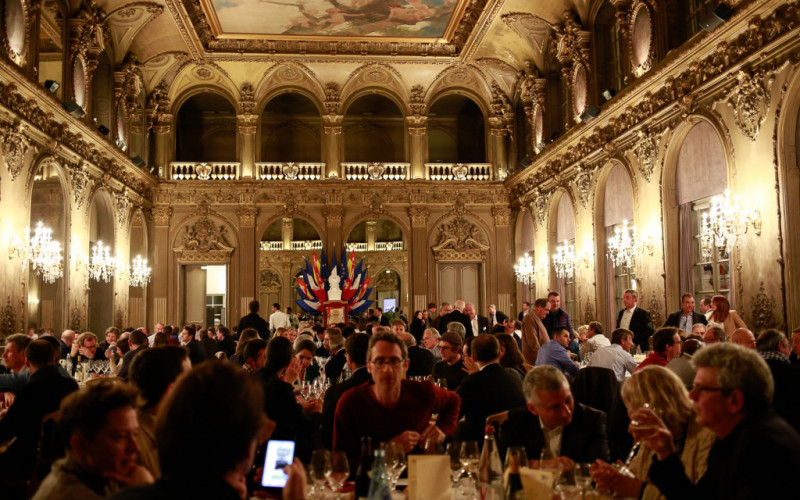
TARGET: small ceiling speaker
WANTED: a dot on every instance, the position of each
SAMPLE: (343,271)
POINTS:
(591,112)
(721,14)
(75,110)
(52,85)
(103,129)
(608,94)
(137,160)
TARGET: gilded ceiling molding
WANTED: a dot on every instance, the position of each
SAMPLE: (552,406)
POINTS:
(497,65)
(126,21)
(375,75)
(203,241)
(677,90)
(749,100)
(532,28)
(16,146)
(464,78)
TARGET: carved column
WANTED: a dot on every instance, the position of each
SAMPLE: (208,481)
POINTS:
(504,254)
(499,133)
(421,286)
(162,264)
(417,127)
(333,224)
(333,144)
(163,144)
(371,226)
(246,128)
(248,251)
(287,232)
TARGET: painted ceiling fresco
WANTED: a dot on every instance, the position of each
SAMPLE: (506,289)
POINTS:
(340,18)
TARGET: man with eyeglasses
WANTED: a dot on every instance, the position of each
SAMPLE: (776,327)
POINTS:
(392,408)
(756,454)
(451,367)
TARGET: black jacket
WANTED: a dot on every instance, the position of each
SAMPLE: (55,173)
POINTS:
(641,325)
(332,395)
(499,318)
(421,362)
(292,423)
(583,440)
(458,317)
(197,352)
(335,365)
(253,320)
(674,319)
(489,391)
(127,359)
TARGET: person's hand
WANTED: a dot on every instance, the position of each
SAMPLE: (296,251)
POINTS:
(73,351)
(136,476)
(86,352)
(646,426)
(407,439)
(607,477)
(470,366)
(295,488)
(432,433)
(110,355)
(8,400)
(292,371)
(312,406)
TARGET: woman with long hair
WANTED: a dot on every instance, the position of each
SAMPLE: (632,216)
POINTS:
(665,394)
(417,326)
(247,335)
(510,356)
(723,316)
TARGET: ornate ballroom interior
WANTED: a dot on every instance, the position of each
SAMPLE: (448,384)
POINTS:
(590,142)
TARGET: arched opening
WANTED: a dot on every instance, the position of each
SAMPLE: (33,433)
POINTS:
(373,130)
(562,234)
(51,45)
(376,235)
(607,39)
(205,129)
(45,292)
(456,131)
(103,93)
(524,239)
(137,291)
(701,174)
(291,130)
(387,290)
(101,291)
(523,134)
(291,234)
(555,103)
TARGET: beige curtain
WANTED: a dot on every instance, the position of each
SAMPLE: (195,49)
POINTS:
(686,251)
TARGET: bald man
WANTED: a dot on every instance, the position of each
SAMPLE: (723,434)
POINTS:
(744,338)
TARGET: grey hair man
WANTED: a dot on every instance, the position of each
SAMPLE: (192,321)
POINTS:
(732,394)
(774,347)
(714,335)
(430,339)
(552,425)
(594,340)
(67,338)
(616,357)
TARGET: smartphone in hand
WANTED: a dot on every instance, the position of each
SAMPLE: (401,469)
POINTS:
(279,455)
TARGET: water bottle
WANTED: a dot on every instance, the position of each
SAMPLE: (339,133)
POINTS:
(379,482)
(364,466)
(490,469)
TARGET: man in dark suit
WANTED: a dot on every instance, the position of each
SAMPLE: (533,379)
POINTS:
(551,410)
(197,351)
(480,324)
(686,317)
(486,392)
(355,348)
(458,315)
(635,319)
(41,395)
(526,308)
(496,317)
(253,320)
(774,347)
(138,343)
(334,343)
(421,360)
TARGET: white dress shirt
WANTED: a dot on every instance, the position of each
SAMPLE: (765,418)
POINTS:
(625,322)
(552,441)
(614,358)
(279,319)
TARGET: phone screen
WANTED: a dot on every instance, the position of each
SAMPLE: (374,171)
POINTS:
(279,455)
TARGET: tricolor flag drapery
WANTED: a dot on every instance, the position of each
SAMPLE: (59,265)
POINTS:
(313,285)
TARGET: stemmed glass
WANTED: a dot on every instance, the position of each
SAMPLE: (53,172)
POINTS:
(635,426)
(456,467)
(338,472)
(318,468)
(395,462)
(470,458)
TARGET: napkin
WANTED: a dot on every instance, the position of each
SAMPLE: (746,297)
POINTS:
(429,477)
(536,483)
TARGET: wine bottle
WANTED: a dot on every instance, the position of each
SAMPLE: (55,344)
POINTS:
(490,470)
(364,466)
(379,481)
(514,483)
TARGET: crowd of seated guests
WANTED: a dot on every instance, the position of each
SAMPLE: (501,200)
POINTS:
(189,408)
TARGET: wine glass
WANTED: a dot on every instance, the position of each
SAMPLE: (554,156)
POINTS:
(442,382)
(456,467)
(395,462)
(318,468)
(583,477)
(635,426)
(339,470)
(470,458)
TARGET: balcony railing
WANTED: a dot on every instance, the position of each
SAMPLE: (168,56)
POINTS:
(274,246)
(193,171)
(380,246)
(290,171)
(356,171)
(459,171)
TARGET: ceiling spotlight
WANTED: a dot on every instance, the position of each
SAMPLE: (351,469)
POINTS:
(608,94)
(75,110)
(721,14)
(591,112)
(137,160)
(103,129)
(555,136)
(540,146)
(52,85)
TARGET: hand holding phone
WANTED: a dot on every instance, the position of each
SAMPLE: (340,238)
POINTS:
(279,455)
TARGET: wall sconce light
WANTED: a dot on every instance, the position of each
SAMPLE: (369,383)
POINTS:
(52,86)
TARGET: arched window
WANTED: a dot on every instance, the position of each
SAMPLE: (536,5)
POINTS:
(51,45)
(608,68)
(456,131)
(565,235)
(555,103)
(291,130)
(101,293)
(373,130)
(206,129)
(617,215)
(525,232)
(701,173)
(381,235)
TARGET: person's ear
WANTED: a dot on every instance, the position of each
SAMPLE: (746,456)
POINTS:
(532,409)
(736,401)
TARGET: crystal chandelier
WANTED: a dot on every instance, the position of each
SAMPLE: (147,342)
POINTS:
(564,260)
(525,270)
(140,272)
(101,264)
(725,224)
(41,251)
(625,246)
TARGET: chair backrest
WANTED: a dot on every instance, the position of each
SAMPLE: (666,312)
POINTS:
(497,421)
(49,449)
(596,387)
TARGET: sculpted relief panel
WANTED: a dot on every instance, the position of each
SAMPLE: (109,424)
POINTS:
(204,241)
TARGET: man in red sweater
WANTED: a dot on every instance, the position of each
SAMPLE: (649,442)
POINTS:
(666,347)
(392,408)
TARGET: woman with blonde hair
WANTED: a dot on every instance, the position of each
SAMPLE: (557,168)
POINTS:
(665,394)
(723,316)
